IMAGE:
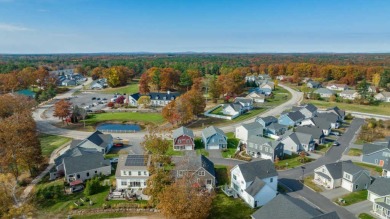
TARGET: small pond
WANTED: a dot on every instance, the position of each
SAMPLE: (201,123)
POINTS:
(120,128)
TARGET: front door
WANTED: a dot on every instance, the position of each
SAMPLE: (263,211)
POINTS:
(255,204)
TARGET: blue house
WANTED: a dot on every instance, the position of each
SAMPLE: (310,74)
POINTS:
(377,153)
(291,118)
(266,121)
(214,138)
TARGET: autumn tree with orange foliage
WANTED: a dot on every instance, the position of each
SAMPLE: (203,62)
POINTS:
(144,81)
(62,109)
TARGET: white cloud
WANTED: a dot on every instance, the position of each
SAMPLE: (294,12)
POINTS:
(13,28)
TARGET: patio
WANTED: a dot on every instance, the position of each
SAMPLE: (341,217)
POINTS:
(128,194)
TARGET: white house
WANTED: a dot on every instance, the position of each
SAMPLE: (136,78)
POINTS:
(96,141)
(133,99)
(383,96)
(268,85)
(349,94)
(255,182)
(379,195)
(245,130)
(337,87)
(324,92)
(132,171)
(232,109)
(257,97)
(162,99)
(343,174)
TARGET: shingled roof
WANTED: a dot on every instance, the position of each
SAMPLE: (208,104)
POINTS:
(211,130)
(381,186)
(262,169)
(182,131)
(85,162)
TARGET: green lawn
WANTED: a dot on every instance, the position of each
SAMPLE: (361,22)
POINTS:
(365,216)
(224,207)
(354,152)
(291,161)
(353,197)
(370,167)
(280,95)
(309,183)
(172,152)
(128,89)
(51,142)
(110,215)
(222,174)
(382,108)
(199,148)
(154,118)
(232,143)
(324,147)
(359,141)
(218,111)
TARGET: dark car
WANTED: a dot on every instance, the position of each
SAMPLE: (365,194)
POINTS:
(118,144)
(98,98)
(93,98)
(89,111)
(336,143)
(104,98)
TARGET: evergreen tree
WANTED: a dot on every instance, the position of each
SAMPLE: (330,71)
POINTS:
(385,78)
(185,80)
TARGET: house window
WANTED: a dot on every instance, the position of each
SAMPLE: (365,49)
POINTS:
(376,161)
(139,173)
(129,173)
(234,177)
(235,186)
(271,180)
(209,181)
(124,183)
(356,186)
(179,141)
(135,184)
(95,171)
(78,176)
(180,173)
(201,173)
(144,183)
(145,173)
(87,174)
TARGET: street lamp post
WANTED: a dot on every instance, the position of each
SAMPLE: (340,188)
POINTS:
(303,174)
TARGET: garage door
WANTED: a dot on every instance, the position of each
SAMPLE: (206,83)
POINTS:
(213,147)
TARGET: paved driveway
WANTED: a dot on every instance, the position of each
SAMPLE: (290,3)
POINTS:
(215,154)
(334,193)
(360,207)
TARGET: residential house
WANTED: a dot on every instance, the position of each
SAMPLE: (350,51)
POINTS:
(214,138)
(132,171)
(324,92)
(285,206)
(265,90)
(308,110)
(183,139)
(386,170)
(268,85)
(96,141)
(266,121)
(27,93)
(281,77)
(199,167)
(232,109)
(162,99)
(97,85)
(340,113)
(85,166)
(264,148)
(349,94)
(377,153)
(255,182)
(313,84)
(243,131)
(133,99)
(383,96)
(318,122)
(275,130)
(345,174)
(379,195)
(293,118)
(372,89)
(246,103)
(318,135)
(68,83)
(337,87)
(68,71)
(296,142)
(257,97)
(332,118)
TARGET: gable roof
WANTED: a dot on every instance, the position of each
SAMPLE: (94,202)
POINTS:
(337,110)
(314,83)
(74,152)
(136,96)
(182,131)
(193,162)
(284,206)
(336,169)
(300,138)
(375,146)
(252,126)
(235,106)
(262,169)
(275,126)
(243,100)
(212,130)
(261,141)
(330,117)
(312,130)
(321,123)
(267,119)
(381,186)
(163,96)
(85,162)
(99,139)
(324,91)
(311,107)
(295,116)
(257,94)
(255,187)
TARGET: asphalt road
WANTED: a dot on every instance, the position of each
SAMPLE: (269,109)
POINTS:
(290,178)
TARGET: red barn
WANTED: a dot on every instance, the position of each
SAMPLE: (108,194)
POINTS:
(183,139)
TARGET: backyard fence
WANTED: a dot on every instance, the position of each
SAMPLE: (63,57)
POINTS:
(209,114)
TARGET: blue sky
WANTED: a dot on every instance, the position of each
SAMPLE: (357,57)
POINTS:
(88,26)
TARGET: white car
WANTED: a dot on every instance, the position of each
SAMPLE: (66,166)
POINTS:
(114,160)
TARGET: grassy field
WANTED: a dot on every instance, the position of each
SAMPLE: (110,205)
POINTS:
(292,161)
(128,89)
(280,95)
(354,152)
(382,108)
(51,142)
(372,168)
(224,207)
(353,197)
(365,216)
(309,183)
(154,118)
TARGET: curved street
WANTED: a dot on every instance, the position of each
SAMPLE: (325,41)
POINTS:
(289,178)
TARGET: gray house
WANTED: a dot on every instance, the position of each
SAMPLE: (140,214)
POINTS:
(340,113)
(214,138)
(345,174)
(313,84)
(197,166)
(96,141)
(291,208)
(316,132)
(265,121)
(318,122)
(296,142)
(274,130)
(308,110)
(324,92)
(332,118)
(377,153)
(264,148)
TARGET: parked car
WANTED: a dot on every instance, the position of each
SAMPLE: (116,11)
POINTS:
(104,98)
(93,98)
(114,160)
(119,144)
(336,133)
(98,98)
(336,143)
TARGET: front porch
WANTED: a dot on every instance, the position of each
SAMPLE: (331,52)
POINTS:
(382,210)
(323,180)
